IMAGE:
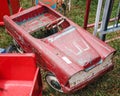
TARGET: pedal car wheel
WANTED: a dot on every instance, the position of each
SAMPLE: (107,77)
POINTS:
(53,82)
(12,49)
(18,48)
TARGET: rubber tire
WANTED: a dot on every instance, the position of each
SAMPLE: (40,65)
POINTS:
(12,49)
(18,48)
(52,79)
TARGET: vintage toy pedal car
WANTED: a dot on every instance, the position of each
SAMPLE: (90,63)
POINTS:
(72,56)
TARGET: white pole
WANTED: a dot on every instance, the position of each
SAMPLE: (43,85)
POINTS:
(69,4)
(97,17)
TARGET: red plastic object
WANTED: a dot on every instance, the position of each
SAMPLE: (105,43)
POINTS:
(19,75)
(66,50)
(8,7)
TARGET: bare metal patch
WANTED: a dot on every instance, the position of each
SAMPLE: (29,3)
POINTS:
(67,31)
(66,60)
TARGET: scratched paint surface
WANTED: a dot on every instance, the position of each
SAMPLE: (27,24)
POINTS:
(37,22)
(74,46)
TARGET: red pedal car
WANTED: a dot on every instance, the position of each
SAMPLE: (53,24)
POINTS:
(71,55)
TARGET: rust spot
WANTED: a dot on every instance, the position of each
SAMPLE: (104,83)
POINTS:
(2,89)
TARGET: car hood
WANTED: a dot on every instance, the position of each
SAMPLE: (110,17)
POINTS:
(74,48)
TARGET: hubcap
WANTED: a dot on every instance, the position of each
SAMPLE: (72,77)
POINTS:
(54,83)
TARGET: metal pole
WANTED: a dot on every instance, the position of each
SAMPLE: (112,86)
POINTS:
(118,15)
(88,3)
(110,29)
(106,17)
(97,16)
(93,24)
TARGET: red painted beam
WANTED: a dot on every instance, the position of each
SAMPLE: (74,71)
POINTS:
(88,3)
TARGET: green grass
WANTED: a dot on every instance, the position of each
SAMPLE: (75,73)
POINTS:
(107,85)
(5,39)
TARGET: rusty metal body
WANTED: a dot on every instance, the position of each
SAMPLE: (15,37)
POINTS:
(19,75)
(68,51)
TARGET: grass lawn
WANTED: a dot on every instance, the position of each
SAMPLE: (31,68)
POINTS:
(107,85)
